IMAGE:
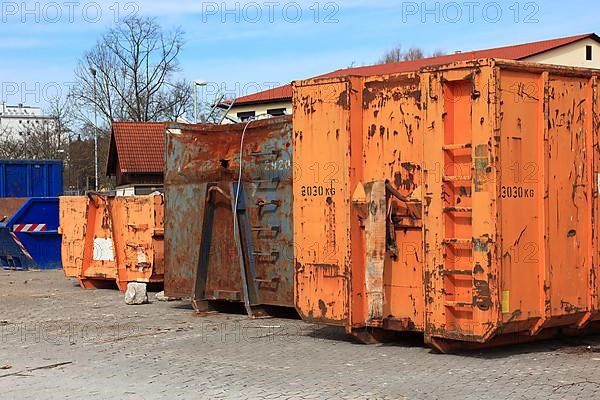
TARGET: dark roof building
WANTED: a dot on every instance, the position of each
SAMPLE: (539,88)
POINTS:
(136,153)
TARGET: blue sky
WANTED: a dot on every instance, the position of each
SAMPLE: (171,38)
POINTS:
(243,46)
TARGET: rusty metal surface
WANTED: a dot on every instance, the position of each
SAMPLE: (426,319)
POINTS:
(205,255)
(73,225)
(321,215)
(532,187)
(9,206)
(138,226)
(492,184)
(371,157)
(113,240)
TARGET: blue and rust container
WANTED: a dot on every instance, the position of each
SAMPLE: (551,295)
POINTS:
(228,214)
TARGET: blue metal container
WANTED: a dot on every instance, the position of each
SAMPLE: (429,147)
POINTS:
(33,229)
(31,178)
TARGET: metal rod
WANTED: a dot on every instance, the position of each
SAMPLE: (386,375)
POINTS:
(195,103)
(93,71)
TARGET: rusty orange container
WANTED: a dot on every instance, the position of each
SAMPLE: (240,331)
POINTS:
(460,201)
(111,241)
(73,221)
(228,214)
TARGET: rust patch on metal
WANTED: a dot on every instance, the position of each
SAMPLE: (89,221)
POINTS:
(482,295)
(323,308)
(481,167)
(344,100)
(406,86)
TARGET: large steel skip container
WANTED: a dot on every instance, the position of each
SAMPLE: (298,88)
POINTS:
(30,236)
(228,227)
(31,178)
(460,201)
(110,241)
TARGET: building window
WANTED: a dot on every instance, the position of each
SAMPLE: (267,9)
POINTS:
(588,53)
(276,112)
(246,115)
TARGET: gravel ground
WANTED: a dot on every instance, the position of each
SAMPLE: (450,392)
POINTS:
(60,341)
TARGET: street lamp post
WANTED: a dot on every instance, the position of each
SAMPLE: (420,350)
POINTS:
(93,72)
(197,82)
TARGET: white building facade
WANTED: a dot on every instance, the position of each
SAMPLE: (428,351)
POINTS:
(18,120)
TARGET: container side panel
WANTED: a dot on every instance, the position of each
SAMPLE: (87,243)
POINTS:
(223,254)
(17,180)
(433,157)
(569,197)
(73,219)
(594,123)
(392,151)
(355,262)
(36,226)
(183,227)
(99,258)
(122,239)
(268,201)
(138,229)
(322,201)
(521,200)
(202,171)
(56,179)
(460,277)
(158,237)
(40,180)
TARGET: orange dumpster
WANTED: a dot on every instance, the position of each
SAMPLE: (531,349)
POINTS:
(111,241)
(459,201)
(73,218)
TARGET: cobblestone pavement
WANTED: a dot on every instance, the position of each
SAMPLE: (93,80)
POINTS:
(61,341)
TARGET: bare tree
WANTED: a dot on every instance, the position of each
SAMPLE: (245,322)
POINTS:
(178,101)
(396,54)
(79,168)
(392,56)
(11,146)
(414,54)
(130,74)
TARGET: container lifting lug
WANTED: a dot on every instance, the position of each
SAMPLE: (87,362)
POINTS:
(218,190)
(273,180)
(261,204)
(266,153)
(274,254)
(274,228)
(475,94)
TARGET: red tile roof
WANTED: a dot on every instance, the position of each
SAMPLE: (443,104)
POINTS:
(518,52)
(137,146)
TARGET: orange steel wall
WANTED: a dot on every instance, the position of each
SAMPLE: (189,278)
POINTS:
(494,231)
(73,218)
(134,225)
(333,281)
